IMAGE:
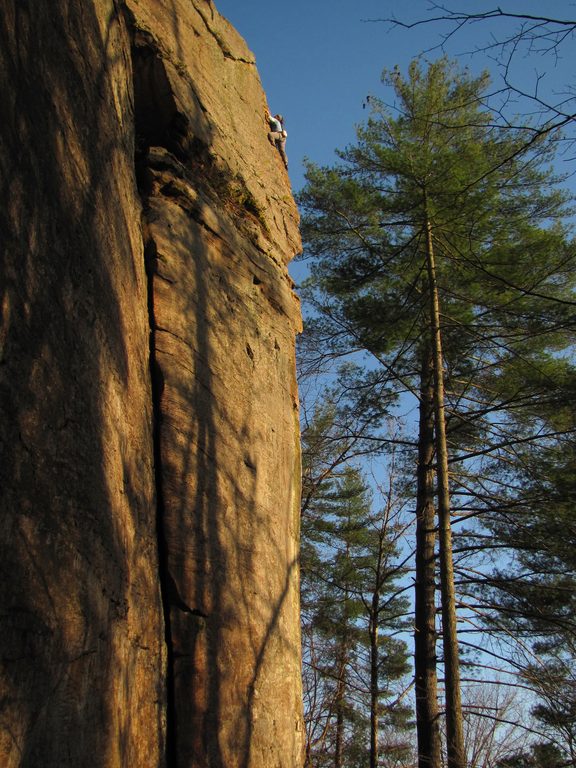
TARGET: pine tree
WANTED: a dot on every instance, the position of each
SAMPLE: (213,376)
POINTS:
(435,244)
(544,755)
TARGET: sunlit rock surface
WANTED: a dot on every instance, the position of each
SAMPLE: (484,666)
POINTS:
(150,463)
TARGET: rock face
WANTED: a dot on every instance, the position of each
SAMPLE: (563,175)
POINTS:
(150,463)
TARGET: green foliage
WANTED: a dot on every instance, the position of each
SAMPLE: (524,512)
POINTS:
(439,160)
(543,755)
(438,164)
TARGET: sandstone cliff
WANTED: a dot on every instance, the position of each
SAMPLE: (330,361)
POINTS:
(150,463)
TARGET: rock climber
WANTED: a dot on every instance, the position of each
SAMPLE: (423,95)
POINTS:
(277,135)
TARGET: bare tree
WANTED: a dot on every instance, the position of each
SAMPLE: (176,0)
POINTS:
(491,730)
(507,41)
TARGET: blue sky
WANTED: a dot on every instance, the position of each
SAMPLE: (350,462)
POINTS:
(318,59)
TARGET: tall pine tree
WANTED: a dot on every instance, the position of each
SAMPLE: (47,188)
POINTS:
(436,246)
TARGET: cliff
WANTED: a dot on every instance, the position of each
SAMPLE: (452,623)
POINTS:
(150,462)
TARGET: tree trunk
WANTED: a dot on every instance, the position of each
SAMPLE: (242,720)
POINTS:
(341,688)
(374,689)
(339,717)
(427,722)
(454,725)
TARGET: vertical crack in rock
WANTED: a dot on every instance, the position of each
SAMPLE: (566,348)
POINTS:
(157,383)
(155,117)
